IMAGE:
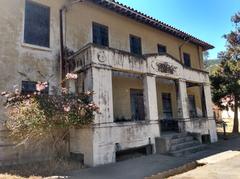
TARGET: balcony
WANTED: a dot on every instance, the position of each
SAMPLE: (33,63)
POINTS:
(161,65)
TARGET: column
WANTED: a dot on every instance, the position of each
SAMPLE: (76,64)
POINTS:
(182,102)
(99,80)
(150,98)
(151,107)
(209,112)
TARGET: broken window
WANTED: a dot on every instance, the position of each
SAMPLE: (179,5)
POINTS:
(37,24)
(135,45)
(100,34)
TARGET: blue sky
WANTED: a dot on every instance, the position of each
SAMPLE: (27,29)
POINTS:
(208,20)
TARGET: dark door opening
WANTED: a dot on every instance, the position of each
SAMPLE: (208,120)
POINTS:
(137,105)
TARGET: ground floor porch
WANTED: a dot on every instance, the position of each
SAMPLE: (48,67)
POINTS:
(135,109)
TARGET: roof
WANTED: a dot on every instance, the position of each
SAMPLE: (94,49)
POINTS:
(145,19)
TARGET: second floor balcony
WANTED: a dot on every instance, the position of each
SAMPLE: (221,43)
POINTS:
(161,65)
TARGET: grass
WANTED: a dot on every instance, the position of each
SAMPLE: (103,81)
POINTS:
(40,170)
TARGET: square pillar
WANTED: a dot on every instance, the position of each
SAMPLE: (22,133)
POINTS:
(99,80)
(151,107)
(183,111)
(150,98)
(209,113)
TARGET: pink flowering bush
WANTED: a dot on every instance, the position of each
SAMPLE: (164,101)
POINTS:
(37,115)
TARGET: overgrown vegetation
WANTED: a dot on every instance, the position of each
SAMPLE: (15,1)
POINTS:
(37,116)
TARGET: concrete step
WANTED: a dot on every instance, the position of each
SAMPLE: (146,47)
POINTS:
(181,140)
(189,150)
(174,135)
(183,145)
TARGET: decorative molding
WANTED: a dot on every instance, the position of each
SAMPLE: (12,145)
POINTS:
(101,56)
(164,67)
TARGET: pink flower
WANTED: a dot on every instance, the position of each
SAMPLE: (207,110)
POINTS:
(17,92)
(40,86)
(66,108)
(71,76)
(64,90)
(3,93)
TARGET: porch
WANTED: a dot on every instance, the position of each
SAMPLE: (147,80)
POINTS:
(139,97)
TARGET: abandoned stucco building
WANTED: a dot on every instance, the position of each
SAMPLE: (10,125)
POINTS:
(148,76)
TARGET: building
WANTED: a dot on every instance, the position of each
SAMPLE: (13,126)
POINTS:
(148,76)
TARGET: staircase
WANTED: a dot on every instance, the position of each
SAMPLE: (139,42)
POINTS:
(178,144)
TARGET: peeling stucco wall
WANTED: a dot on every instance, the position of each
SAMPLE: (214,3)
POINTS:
(19,61)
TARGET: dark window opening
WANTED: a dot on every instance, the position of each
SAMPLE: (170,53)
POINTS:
(100,34)
(192,106)
(135,45)
(29,87)
(187,59)
(137,105)
(162,49)
(37,24)
(167,106)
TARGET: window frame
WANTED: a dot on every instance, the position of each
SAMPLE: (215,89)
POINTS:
(190,61)
(35,46)
(105,28)
(160,46)
(131,45)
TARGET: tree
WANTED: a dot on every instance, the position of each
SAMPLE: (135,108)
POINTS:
(225,79)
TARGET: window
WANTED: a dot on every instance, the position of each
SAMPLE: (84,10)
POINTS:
(137,105)
(100,34)
(162,49)
(192,106)
(135,45)
(187,59)
(37,24)
(29,87)
(167,106)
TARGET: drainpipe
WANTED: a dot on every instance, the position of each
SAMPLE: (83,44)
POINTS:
(180,47)
(62,60)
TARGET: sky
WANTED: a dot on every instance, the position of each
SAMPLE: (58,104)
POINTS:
(207,20)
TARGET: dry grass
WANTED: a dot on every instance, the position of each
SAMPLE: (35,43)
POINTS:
(40,170)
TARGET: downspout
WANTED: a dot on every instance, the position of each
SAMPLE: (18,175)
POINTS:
(62,60)
(180,48)
(62,54)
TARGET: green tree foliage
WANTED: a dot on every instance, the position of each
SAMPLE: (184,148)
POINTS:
(226,78)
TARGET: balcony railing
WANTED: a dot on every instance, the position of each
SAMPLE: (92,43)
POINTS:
(119,60)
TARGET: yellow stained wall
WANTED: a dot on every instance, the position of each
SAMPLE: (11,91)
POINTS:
(79,20)
(122,102)
(121,96)
(197,93)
